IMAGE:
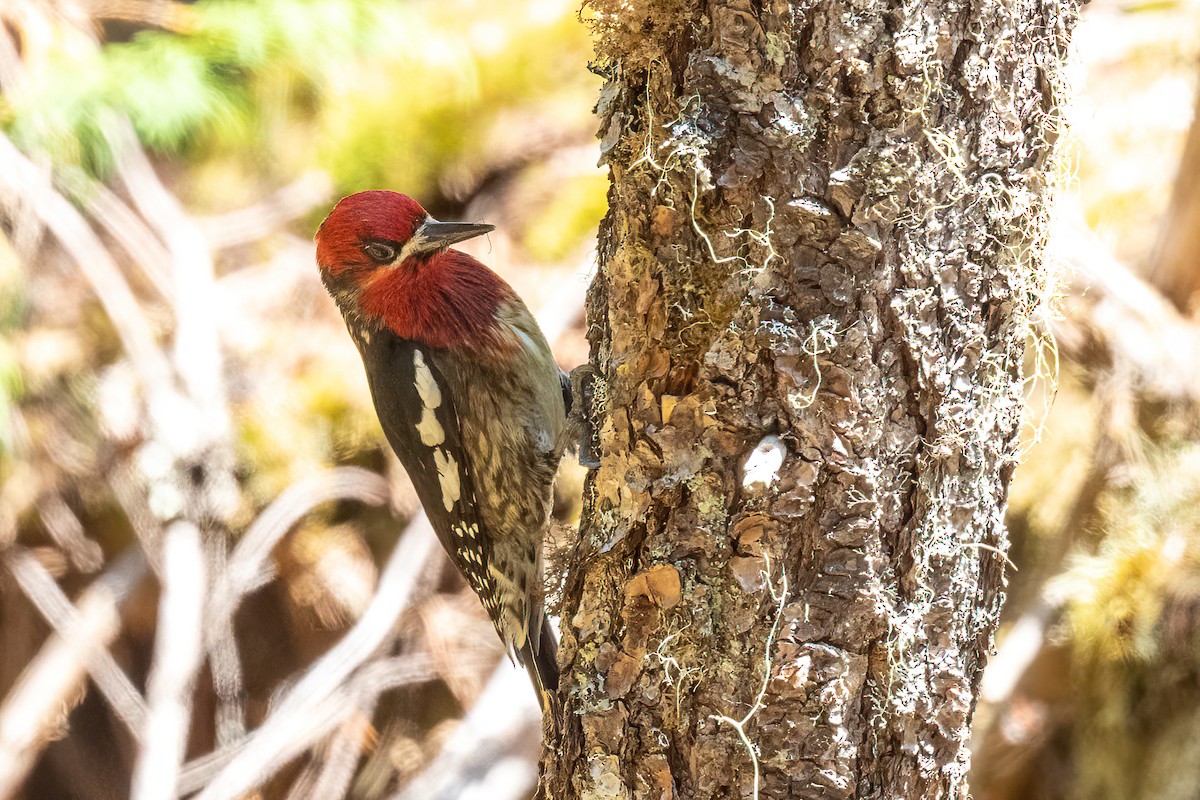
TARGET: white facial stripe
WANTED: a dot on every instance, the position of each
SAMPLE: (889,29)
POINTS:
(429,429)
(416,244)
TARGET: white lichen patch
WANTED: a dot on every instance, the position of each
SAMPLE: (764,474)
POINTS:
(761,468)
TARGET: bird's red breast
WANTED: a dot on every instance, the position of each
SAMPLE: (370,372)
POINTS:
(448,300)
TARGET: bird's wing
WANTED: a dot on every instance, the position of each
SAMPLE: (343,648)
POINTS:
(421,424)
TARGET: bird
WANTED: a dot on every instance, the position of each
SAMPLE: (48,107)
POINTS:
(469,397)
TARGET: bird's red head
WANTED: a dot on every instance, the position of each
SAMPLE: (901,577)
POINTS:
(363,229)
(386,261)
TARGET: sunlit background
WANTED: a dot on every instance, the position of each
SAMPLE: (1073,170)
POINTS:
(163,166)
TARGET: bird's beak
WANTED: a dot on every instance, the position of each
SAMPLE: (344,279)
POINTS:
(434,235)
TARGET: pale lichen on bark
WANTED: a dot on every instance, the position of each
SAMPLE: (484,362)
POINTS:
(825,225)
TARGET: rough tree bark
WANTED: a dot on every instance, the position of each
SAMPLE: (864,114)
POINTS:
(822,256)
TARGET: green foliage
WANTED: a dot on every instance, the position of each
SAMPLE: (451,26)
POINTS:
(1133,647)
(438,104)
(377,94)
(176,87)
(1119,599)
(575,210)
(1150,547)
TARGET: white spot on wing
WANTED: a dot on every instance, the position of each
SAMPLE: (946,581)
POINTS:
(447,469)
(429,429)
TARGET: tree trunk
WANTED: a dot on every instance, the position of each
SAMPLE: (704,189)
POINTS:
(821,259)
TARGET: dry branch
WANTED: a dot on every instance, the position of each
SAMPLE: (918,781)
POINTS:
(289,203)
(367,684)
(1175,267)
(67,532)
(166,14)
(22,181)
(202,438)
(11,67)
(493,753)
(225,662)
(313,705)
(1116,322)
(37,705)
(178,654)
(335,771)
(142,246)
(1020,648)
(45,595)
(249,564)
(200,443)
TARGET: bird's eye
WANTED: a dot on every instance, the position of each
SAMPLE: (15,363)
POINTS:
(380,253)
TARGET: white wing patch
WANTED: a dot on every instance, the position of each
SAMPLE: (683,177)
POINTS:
(447,470)
(429,429)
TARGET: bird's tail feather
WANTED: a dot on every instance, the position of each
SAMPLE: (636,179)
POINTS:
(542,664)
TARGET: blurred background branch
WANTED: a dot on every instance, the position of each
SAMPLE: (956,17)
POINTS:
(33,710)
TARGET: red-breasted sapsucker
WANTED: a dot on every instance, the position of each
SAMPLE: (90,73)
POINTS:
(468,394)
